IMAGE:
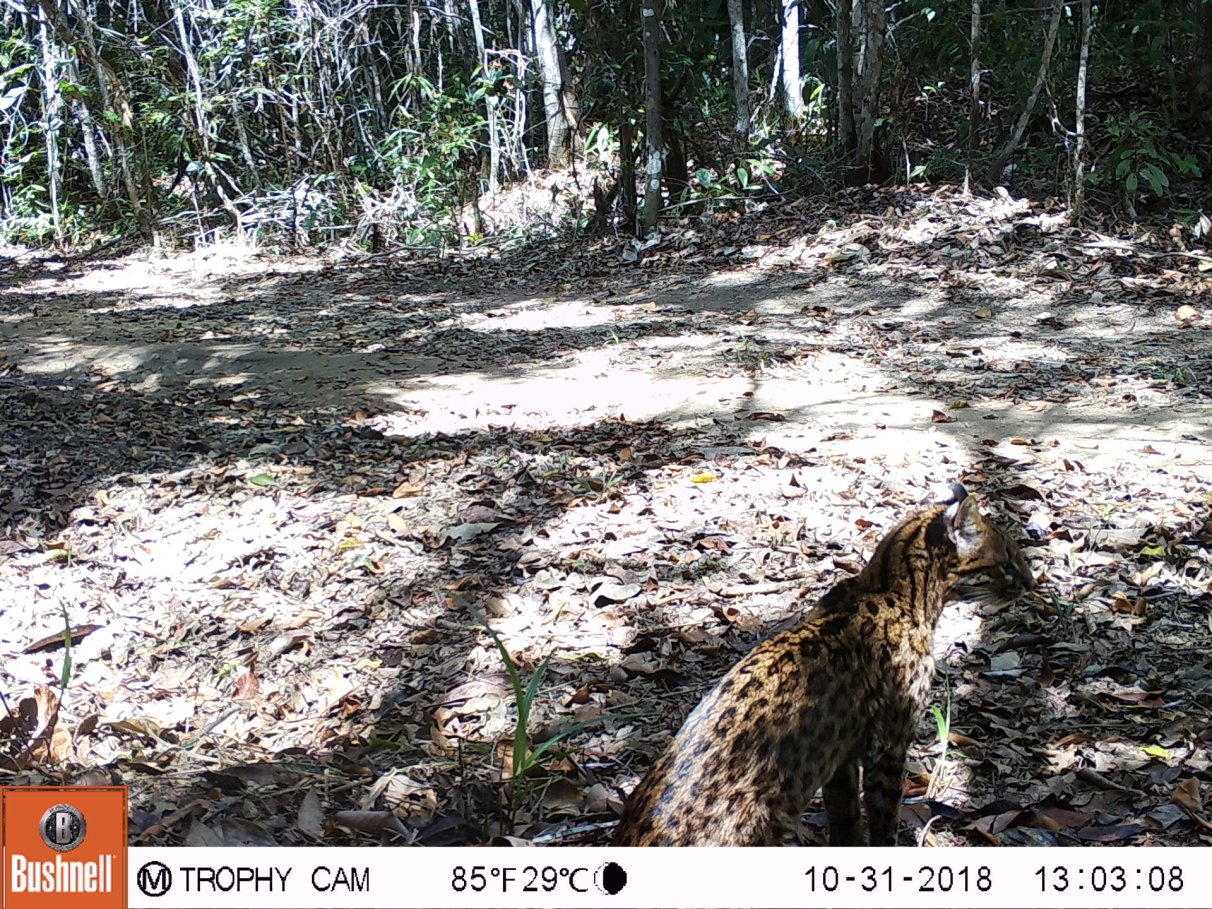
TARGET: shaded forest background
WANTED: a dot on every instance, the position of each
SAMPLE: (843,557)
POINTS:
(391,125)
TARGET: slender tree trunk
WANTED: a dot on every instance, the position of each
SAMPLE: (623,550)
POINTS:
(995,170)
(1079,126)
(868,69)
(651,26)
(570,105)
(88,135)
(860,44)
(847,136)
(245,143)
(1201,65)
(627,173)
(525,118)
(793,94)
(776,74)
(549,66)
(490,98)
(52,116)
(974,89)
(415,65)
(740,74)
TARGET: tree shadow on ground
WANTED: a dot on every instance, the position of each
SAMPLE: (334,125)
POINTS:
(281,561)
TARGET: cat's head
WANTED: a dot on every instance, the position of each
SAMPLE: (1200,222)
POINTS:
(990,567)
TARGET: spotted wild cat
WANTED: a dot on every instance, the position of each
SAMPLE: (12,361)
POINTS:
(805,709)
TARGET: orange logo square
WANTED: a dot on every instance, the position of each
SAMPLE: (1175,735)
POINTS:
(63,845)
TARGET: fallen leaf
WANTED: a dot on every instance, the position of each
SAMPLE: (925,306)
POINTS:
(1113,833)
(310,817)
(1125,605)
(464,533)
(613,592)
(766,415)
(377,822)
(1022,491)
(246,686)
(59,639)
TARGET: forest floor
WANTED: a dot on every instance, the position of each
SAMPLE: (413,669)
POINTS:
(268,497)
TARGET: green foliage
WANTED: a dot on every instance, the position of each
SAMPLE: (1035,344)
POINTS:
(942,727)
(942,724)
(1143,159)
(435,135)
(525,759)
(65,673)
(740,182)
(389,111)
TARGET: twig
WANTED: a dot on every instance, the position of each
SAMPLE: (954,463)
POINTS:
(1098,781)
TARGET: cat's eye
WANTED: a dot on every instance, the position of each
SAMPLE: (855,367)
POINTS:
(1019,576)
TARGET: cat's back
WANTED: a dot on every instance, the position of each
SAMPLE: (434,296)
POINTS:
(737,764)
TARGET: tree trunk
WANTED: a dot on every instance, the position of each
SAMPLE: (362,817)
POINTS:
(650,20)
(490,97)
(1201,66)
(974,88)
(995,170)
(627,173)
(860,45)
(525,115)
(845,79)
(570,105)
(52,116)
(549,68)
(740,74)
(1079,126)
(868,68)
(793,94)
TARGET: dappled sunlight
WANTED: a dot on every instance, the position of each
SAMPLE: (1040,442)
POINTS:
(292,498)
(536,315)
(595,385)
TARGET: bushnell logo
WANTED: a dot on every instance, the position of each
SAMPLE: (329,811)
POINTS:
(63,846)
(63,827)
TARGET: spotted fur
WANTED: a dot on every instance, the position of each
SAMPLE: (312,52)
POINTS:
(809,707)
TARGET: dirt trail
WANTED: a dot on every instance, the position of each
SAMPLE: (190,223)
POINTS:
(280,482)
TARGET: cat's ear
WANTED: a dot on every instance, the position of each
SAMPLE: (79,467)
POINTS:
(955,493)
(965,524)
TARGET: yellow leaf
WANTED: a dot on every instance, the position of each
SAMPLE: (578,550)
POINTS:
(1156,751)
(704,478)
(1154,551)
